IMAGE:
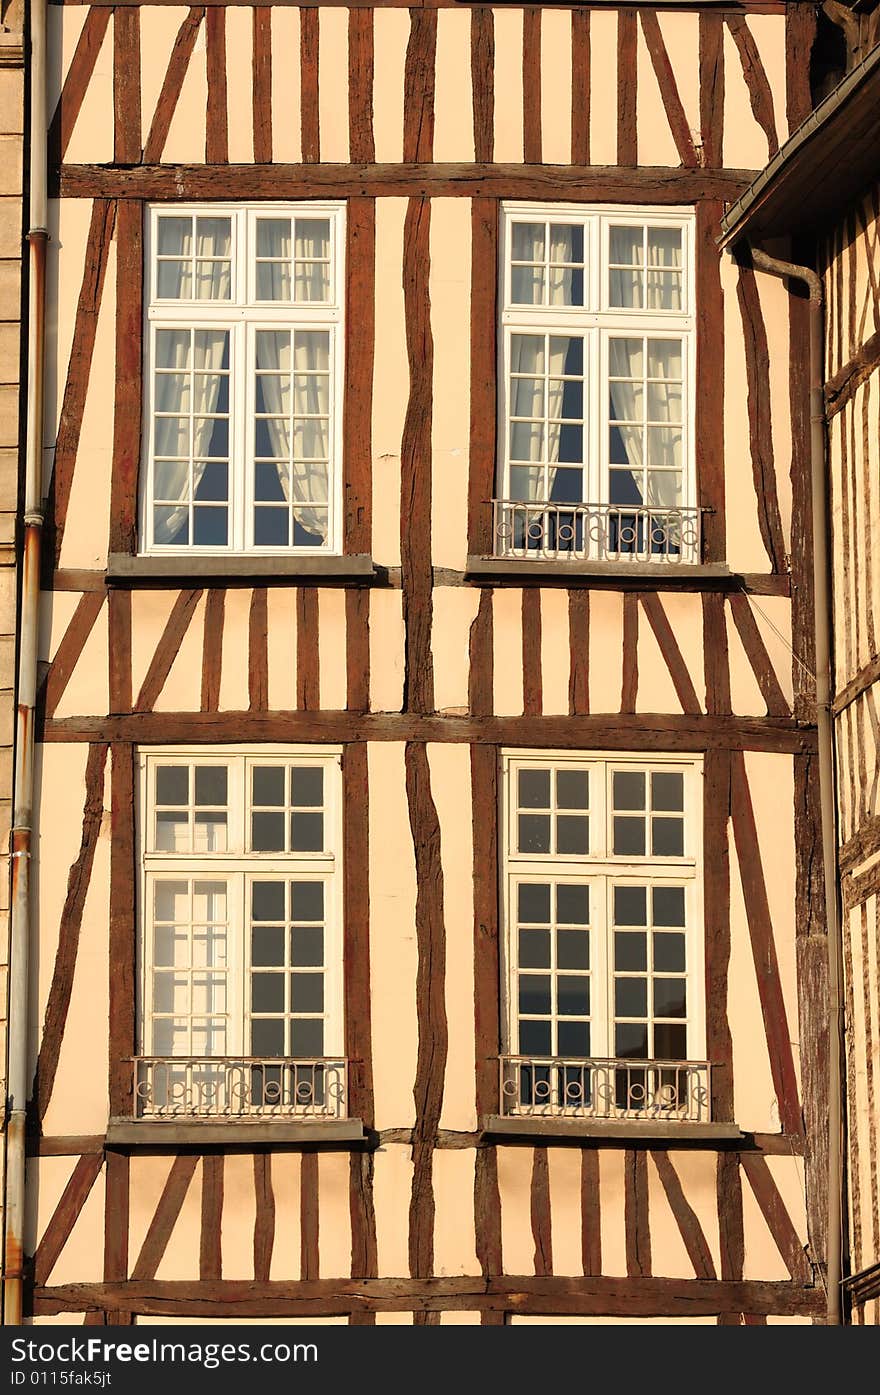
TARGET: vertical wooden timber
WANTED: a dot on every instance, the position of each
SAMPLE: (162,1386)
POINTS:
(358,1034)
(630,680)
(716,902)
(531,83)
(212,650)
(580,87)
(61,987)
(711,90)
(636,1217)
(216,118)
(210,1256)
(481,658)
(116,1211)
(415,461)
(487,1004)
(715,655)
(483,81)
(360,323)
(531,651)
(360,86)
(709,442)
(262,85)
(418,86)
(357,642)
(433,1032)
(579,652)
(540,1213)
(591,1230)
(258,650)
(119,633)
(264,1221)
(76,81)
(308,1215)
(308,78)
(307,656)
(100,234)
(731,1239)
(627,60)
(484,276)
(129,374)
(126,85)
(172,84)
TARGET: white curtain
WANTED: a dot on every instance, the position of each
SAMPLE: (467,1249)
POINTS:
(305,478)
(205,350)
(541,362)
(626,360)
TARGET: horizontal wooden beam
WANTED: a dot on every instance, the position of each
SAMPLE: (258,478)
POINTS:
(611,1297)
(584,183)
(641,731)
(752,7)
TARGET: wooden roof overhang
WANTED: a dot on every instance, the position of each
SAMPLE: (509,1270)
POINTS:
(828,161)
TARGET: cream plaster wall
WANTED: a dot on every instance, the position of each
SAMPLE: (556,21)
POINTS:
(449,286)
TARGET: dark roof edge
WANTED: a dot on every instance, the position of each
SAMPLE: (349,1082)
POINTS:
(736,221)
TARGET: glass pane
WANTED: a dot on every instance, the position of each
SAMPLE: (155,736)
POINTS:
(307,832)
(172,784)
(534,949)
(171,479)
(267,945)
(210,784)
(667,790)
(627,404)
(307,1038)
(311,351)
(574,1040)
(625,289)
(174,236)
(527,397)
(527,242)
(170,992)
(209,901)
(663,290)
(566,286)
(572,949)
(664,359)
(534,1039)
(629,789)
(170,526)
(572,996)
(268,785)
(307,992)
(534,789)
(210,353)
(670,1041)
(273,281)
(527,285)
(664,446)
(631,1040)
(629,837)
(307,945)
(630,997)
(267,900)
(630,905)
(267,992)
(213,237)
(626,246)
(172,348)
(174,281)
(669,954)
(572,835)
(172,392)
(267,832)
(170,947)
(307,787)
(630,951)
(209,832)
(572,904)
(667,837)
(210,527)
(527,353)
(526,440)
(534,833)
(267,1037)
(572,789)
(664,247)
(312,281)
(534,994)
(664,402)
(312,238)
(172,831)
(213,280)
(533,903)
(668,905)
(307,900)
(271,527)
(171,436)
(273,237)
(273,350)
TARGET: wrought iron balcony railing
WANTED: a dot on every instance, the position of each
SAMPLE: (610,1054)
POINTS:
(242,1087)
(606,1089)
(538,531)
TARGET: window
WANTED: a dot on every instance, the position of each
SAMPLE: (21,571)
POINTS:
(241,951)
(603,935)
(597,395)
(244,360)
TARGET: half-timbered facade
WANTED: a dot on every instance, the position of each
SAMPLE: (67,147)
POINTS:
(824,190)
(428,927)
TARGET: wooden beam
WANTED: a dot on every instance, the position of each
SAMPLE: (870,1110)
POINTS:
(169,95)
(165,1216)
(64,1217)
(77,79)
(128,379)
(415,463)
(483,81)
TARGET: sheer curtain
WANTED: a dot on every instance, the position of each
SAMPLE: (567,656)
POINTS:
(536,365)
(301,462)
(626,360)
(206,351)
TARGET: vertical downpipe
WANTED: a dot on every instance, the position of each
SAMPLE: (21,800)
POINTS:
(825,740)
(22,821)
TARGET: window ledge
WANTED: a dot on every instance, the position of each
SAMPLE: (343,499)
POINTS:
(632,1130)
(123,568)
(652,574)
(152,1133)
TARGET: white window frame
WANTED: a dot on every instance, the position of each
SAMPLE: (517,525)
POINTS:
(240,867)
(602,866)
(598,322)
(242,314)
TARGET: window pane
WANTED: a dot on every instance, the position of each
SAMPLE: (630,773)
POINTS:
(630,905)
(174,281)
(267,900)
(534,994)
(307,900)
(267,832)
(307,992)
(629,837)
(268,785)
(669,953)
(572,789)
(527,242)
(572,949)
(307,787)
(630,951)
(273,350)
(273,237)
(535,1039)
(667,837)
(534,903)
(171,902)
(307,832)
(267,945)
(631,1040)
(210,784)
(527,285)
(307,1038)
(572,835)
(572,904)
(668,904)
(667,790)
(267,1037)
(573,996)
(312,238)
(574,1040)
(534,789)
(174,236)
(669,997)
(170,947)
(210,527)
(267,992)
(630,997)
(629,789)
(626,246)
(534,949)
(670,1041)
(307,946)
(273,281)
(172,784)
(534,833)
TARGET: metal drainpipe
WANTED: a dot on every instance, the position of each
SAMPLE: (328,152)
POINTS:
(13,1272)
(825,733)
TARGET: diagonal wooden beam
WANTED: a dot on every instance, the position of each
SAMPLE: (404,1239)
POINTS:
(64,1217)
(167,649)
(779,1222)
(756,652)
(672,655)
(165,1216)
(172,84)
(76,81)
(760,92)
(684,142)
(67,654)
(686,1218)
